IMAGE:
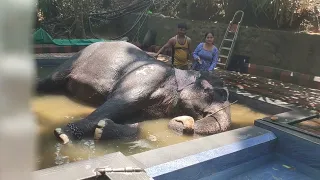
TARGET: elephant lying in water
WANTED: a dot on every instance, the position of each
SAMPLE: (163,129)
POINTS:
(127,83)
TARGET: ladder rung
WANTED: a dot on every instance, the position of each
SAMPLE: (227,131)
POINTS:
(228,40)
(226,48)
(231,32)
(223,56)
(221,64)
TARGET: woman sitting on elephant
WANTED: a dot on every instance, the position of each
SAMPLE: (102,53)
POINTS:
(206,54)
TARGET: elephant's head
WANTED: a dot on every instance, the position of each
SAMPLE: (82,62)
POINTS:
(206,100)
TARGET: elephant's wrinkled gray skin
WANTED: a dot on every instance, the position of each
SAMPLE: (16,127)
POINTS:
(127,83)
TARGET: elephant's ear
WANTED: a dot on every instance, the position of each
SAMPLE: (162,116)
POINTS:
(222,94)
(184,78)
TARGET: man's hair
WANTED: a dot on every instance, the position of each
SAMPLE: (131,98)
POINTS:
(182,25)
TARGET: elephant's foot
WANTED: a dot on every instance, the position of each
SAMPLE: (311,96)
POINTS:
(184,124)
(68,133)
(106,129)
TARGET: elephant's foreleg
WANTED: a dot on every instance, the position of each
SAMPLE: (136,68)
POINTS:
(118,110)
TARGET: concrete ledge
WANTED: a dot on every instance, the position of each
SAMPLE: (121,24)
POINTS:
(287,114)
(259,103)
(43,62)
(85,169)
(51,48)
(284,75)
(201,157)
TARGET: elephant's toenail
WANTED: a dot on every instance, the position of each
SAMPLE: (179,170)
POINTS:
(63,137)
(101,124)
(98,131)
(58,131)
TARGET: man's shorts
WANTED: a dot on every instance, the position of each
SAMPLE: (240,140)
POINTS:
(183,67)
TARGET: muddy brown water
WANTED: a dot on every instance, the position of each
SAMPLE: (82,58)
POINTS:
(56,110)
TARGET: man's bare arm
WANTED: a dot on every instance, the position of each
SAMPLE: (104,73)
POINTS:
(190,51)
(170,43)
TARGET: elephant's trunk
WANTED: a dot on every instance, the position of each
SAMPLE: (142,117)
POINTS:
(217,119)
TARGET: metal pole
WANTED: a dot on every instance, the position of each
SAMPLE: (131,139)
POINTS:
(17,74)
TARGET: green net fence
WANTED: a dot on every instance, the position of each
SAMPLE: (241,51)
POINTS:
(42,37)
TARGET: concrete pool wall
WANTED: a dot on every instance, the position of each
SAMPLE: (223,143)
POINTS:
(213,156)
(284,75)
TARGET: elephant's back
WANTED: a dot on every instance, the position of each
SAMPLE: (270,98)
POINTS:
(100,64)
(102,56)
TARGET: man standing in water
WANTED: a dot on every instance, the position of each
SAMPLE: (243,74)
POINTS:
(181,48)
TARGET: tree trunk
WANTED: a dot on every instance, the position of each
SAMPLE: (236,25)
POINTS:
(79,31)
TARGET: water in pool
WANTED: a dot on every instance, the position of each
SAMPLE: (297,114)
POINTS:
(56,110)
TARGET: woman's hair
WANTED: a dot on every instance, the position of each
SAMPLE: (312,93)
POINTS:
(205,35)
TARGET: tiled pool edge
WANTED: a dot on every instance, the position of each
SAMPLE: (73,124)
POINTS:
(238,146)
(204,163)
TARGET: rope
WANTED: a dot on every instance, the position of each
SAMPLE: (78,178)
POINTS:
(136,5)
(223,108)
(137,21)
(124,34)
(136,36)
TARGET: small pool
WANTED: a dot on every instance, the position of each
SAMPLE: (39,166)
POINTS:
(54,111)
(255,148)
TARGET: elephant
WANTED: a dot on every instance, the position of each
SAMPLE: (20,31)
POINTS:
(128,85)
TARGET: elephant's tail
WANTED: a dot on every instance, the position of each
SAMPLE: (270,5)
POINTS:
(48,85)
(57,80)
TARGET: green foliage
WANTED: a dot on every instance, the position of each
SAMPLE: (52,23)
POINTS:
(283,11)
(47,7)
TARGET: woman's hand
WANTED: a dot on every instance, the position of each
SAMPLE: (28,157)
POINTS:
(199,60)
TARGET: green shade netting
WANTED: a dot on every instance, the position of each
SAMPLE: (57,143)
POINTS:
(42,37)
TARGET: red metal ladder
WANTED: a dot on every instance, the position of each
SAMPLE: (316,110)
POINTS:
(229,40)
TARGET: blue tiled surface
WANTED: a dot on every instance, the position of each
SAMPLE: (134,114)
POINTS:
(296,147)
(272,166)
(274,170)
(202,164)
